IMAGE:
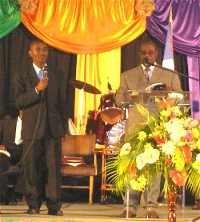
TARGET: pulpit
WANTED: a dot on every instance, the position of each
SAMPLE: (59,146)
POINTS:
(147,99)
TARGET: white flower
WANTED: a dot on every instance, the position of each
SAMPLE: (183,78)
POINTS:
(140,161)
(125,149)
(150,156)
(168,148)
(198,157)
(174,127)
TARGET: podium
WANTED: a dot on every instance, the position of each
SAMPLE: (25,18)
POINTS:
(147,99)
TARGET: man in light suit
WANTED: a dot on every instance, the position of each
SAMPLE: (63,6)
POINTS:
(135,79)
(10,153)
(43,101)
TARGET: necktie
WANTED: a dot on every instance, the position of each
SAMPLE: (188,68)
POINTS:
(146,73)
(40,74)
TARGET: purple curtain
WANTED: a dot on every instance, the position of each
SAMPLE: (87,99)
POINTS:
(186,36)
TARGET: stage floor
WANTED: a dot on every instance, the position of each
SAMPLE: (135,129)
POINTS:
(83,212)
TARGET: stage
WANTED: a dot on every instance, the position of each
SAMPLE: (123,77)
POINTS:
(83,212)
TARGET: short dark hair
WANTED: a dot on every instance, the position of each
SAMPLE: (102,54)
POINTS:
(148,41)
(36,40)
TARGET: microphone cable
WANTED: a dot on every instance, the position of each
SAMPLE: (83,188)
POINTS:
(32,141)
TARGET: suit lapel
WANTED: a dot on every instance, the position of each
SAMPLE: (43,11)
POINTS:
(156,75)
(33,75)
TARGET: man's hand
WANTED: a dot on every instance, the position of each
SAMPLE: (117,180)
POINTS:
(2,147)
(43,83)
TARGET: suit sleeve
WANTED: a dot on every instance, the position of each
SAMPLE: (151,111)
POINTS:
(25,94)
(176,84)
(119,98)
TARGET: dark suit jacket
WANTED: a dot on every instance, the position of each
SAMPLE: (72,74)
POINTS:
(7,133)
(52,108)
(7,138)
(134,79)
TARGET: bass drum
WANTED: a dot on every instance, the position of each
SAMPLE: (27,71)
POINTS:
(116,134)
(110,113)
(96,125)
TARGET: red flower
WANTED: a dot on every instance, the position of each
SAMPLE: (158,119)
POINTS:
(172,115)
(168,161)
(159,140)
(178,177)
(164,103)
(187,154)
(132,170)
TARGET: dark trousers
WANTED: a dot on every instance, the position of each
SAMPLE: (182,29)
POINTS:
(4,166)
(42,169)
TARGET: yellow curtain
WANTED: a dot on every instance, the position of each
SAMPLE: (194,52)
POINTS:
(93,29)
(97,70)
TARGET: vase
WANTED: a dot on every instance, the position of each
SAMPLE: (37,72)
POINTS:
(172,203)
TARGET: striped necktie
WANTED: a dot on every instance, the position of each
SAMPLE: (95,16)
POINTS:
(146,73)
(40,74)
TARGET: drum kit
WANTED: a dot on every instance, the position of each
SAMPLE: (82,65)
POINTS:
(108,122)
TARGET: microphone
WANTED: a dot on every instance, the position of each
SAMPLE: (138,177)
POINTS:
(45,72)
(45,75)
(147,63)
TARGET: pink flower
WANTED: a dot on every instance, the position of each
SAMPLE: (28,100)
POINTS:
(188,135)
(190,123)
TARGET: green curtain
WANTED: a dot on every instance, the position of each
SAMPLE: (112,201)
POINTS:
(10,16)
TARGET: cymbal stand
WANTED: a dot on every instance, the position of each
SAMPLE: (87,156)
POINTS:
(81,110)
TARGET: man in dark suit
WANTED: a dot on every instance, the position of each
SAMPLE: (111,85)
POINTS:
(43,127)
(10,152)
(139,78)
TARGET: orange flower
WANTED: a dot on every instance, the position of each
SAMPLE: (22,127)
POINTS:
(164,103)
(178,177)
(132,170)
(187,154)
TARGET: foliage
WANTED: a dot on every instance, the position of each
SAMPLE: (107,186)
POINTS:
(167,144)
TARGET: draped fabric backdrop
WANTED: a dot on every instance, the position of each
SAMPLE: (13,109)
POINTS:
(186,37)
(95,31)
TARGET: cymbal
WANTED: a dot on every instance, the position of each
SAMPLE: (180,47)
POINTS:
(85,86)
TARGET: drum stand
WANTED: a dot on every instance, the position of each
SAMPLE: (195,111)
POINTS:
(80,124)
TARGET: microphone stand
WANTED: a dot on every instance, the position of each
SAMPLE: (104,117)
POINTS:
(148,64)
(171,70)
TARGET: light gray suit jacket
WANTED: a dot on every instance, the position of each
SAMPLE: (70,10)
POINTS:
(134,79)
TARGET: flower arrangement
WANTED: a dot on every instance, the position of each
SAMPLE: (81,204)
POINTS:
(166,144)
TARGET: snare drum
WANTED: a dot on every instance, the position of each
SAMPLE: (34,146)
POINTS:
(110,113)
